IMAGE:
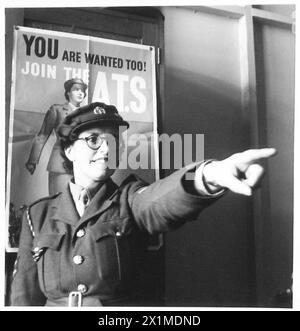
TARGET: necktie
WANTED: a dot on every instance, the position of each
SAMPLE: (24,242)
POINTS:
(83,202)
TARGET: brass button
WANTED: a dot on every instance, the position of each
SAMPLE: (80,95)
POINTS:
(78,259)
(82,288)
(80,233)
(118,233)
(36,249)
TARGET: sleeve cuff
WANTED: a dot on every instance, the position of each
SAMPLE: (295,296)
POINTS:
(203,189)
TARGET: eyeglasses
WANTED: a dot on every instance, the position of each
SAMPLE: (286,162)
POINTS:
(95,141)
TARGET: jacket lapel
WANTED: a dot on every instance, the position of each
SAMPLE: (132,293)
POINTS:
(66,106)
(64,208)
(100,202)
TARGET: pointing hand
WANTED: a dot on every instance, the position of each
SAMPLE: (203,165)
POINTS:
(240,172)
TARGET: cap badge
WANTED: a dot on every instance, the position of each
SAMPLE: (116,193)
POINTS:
(99,110)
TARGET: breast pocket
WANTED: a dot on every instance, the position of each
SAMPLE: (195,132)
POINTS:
(48,262)
(112,249)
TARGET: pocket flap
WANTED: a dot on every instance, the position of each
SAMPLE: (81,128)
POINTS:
(113,227)
(102,230)
(51,240)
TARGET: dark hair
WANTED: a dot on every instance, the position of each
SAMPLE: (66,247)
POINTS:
(66,142)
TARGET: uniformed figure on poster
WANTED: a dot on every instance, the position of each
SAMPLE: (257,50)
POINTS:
(84,246)
(75,92)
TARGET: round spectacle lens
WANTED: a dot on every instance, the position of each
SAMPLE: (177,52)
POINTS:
(95,141)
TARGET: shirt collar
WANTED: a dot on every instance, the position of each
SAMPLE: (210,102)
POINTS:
(76,189)
(72,106)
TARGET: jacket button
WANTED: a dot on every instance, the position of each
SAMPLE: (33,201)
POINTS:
(78,259)
(82,288)
(80,233)
(118,234)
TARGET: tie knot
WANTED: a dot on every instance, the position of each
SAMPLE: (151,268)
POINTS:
(84,197)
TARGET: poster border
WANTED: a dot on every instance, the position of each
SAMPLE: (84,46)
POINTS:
(82,37)
(89,39)
(10,142)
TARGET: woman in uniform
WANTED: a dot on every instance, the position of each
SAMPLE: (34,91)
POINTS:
(85,245)
(75,92)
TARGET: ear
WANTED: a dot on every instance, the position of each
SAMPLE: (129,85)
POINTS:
(69,153)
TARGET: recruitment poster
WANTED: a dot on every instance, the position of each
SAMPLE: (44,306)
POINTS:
(117,73)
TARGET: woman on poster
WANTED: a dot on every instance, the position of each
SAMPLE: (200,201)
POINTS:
(75,92)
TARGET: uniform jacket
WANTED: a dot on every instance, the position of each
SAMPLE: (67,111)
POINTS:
(102,251)
(53,118)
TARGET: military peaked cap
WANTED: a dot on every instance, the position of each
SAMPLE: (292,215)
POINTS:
(96,113)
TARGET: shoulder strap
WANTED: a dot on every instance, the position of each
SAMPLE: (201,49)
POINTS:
(28,216)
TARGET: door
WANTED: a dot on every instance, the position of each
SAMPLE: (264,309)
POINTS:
(230,73)
(275,72)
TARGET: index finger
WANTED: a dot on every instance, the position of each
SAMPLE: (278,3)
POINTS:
(252,155)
